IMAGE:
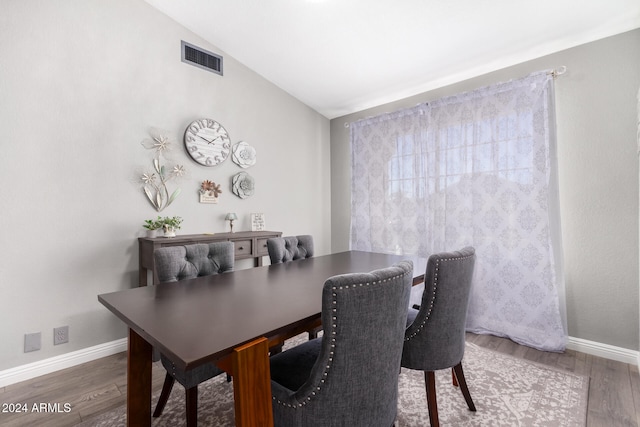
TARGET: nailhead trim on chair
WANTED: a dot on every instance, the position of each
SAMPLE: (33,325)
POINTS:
(433,295)
(333,340)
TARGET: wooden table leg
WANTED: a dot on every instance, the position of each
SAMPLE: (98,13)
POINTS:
(138,381)
(252,384)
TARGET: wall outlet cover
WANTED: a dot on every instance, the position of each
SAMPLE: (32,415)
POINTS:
(60,335)
(32,342)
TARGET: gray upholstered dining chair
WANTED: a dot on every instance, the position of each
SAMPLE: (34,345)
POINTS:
(349,376)
(435,335)
(289,248)
(175,263)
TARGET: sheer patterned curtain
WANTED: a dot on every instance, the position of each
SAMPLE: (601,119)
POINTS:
(474,169)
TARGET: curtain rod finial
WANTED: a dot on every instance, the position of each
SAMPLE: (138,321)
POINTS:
(559,71)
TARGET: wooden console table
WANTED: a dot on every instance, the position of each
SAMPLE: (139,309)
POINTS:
(248,244)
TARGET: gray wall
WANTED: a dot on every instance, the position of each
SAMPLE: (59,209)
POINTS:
(80,84)
(598,173)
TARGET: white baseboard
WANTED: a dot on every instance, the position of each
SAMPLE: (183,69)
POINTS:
(47,366)
(53,364)
(607,351)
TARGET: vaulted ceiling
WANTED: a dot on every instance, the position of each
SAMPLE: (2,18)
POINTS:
(342,56)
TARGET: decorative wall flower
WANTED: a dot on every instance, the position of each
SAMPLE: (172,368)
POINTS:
(155,183)
(244,155)
(159,141)
(148,178)
(242,185)
(207,185)
(178,171)
(210,187)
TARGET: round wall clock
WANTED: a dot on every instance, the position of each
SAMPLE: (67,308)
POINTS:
(207,142)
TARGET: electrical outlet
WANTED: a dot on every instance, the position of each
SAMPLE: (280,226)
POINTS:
(60,335)
(32,342)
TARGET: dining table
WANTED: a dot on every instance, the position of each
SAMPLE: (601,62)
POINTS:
(230,319)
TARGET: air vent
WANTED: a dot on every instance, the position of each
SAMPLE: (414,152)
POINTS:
(201,58)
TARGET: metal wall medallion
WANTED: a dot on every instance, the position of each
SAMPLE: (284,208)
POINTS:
(242,185)
(243,155)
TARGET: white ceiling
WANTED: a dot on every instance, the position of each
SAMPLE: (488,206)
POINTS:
(342,56)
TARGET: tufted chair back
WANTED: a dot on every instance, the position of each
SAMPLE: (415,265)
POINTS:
(174,263)
(349,376)
(435,337)
(291,248)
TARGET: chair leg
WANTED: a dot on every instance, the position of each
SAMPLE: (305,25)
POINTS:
(453,378)
(164,395)
(459,375)
(430,384)
(191,398)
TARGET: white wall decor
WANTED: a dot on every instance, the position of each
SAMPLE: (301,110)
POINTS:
(244,155)
(207,142)
(242,185)
(155,182)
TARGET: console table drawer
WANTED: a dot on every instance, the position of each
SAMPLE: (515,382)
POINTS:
(243,247)
(261,248)
(173,243)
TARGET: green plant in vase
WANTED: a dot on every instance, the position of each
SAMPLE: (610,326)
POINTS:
(170,225)
(152,226)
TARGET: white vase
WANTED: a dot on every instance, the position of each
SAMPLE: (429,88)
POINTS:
(152,234)
(170,232)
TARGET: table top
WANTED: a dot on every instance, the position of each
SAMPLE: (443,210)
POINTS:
(199,320)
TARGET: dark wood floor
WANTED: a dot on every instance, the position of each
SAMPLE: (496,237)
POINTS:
(98,386)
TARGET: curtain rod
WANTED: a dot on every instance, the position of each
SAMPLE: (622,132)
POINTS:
(554,73)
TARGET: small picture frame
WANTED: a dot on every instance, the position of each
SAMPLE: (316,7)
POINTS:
(257,222)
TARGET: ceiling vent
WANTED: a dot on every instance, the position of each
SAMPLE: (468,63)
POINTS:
(201,58)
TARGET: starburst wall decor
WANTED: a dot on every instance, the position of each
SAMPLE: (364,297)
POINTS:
(155,182)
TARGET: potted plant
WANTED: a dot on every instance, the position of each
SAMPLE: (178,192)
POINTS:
(170,225)
(152,226)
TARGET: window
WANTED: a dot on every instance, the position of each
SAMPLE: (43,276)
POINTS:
(471,169)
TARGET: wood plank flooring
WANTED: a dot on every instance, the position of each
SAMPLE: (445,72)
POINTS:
(101,385)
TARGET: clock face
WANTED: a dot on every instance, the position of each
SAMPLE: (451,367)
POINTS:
(207,142)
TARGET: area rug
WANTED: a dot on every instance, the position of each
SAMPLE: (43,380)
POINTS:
(506,391)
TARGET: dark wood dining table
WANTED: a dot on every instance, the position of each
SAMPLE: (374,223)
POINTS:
(232,320)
